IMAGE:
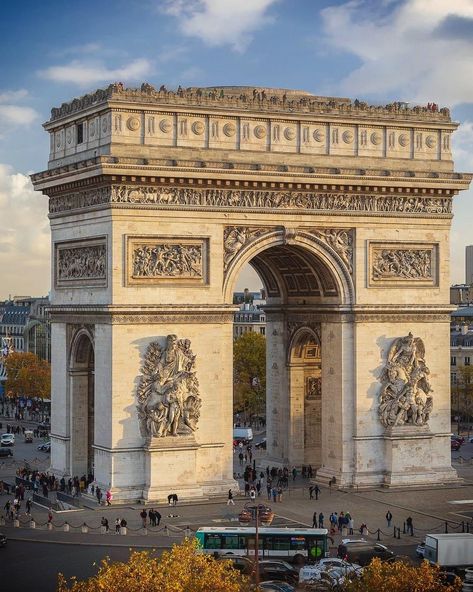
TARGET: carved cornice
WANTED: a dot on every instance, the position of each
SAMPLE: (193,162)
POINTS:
(250,201)
(250,99)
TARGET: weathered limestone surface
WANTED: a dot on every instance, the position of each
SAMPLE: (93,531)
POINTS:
(157,201)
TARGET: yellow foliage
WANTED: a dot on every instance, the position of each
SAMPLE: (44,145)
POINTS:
(182,569)
(399,577)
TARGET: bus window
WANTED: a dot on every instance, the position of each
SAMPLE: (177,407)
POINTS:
(230,541)
(213,541)
(297,543)
(275,543)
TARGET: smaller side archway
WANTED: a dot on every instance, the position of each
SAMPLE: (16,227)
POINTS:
(82,404)
(305,396)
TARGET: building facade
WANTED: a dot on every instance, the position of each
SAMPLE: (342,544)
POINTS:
(158,200)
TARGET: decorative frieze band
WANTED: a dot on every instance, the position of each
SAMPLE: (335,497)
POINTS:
(81,263)
(400,264)
(171,197)
(153,259)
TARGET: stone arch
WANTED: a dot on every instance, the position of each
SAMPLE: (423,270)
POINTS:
(82,402)
(328,268)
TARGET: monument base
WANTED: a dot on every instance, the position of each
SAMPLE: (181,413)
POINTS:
(184,467)
(410,454)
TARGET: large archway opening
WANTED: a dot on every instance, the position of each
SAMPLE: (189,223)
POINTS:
(82,401)
(305,290)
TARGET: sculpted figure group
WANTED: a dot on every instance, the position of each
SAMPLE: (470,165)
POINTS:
(406,393)
(168,392)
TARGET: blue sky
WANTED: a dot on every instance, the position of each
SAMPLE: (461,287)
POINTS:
(377,50)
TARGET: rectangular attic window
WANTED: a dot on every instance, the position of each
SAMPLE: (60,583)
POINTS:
(80,133)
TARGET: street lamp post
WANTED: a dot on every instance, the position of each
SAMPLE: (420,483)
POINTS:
(257,548)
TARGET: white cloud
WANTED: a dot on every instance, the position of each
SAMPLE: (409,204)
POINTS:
(12,114)
(220,22)
(84,73)
(25,237)
(404,48)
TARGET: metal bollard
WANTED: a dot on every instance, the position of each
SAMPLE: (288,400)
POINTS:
(404,528)
(66,527)
(379,535)
(446,527)
(84,528)
(463,526)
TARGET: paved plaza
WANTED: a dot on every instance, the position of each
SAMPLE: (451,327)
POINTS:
(432,510)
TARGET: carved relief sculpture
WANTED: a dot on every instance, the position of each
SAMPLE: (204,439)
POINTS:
(341,242)
(168,392)
(405,397)
(313,387)
(79,264)
(167,260)
(410,264)
(249,199)
(237,237)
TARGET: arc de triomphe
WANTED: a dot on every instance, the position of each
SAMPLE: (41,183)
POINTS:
(158,199)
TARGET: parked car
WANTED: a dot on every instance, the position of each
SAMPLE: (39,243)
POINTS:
(45,446)
(420,550)
(4,452)
(7,440)
(362,552)
(261,445)
(455,445)
(3,540)
(276,586)
(242,564)
(278,570)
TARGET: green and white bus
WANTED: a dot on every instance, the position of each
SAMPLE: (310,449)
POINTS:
(296,544)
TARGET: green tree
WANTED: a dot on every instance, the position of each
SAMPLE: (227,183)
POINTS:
(400,577)
(182,569)
(249,373)
(462,393)
(27,375)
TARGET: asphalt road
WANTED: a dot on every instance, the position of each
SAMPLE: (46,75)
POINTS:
(25,567)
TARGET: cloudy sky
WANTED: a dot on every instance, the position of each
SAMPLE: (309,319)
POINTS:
(376,50)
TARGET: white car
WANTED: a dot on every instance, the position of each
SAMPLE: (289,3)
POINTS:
(334,567)
(7,440)
(420,550)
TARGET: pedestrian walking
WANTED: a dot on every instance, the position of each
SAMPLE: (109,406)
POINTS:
(175,499)
(98,493)
(104,523)
(108,497)
(230,500)
(117,526)
(321,520)
(28,506)
(316,491)
(294,473)
(410,526)
(157,518)
(314,520)
(50,517)
(268,490)
(144,516)
(389,517)
(311,492)
(351,525)
(279,494)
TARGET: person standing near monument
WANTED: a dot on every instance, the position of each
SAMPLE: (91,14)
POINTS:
(389,518)
(230,500)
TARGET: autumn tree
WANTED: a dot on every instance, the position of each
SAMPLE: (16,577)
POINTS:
(182,569)
(27,375)
(398,576)
(249,373)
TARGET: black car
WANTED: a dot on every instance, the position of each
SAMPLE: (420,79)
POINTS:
(242,564)
(4,452)
(3,540)
(362,552)
(278,570)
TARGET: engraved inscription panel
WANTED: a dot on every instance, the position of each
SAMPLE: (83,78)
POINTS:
(153,259)
(81,263)
(398,264)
